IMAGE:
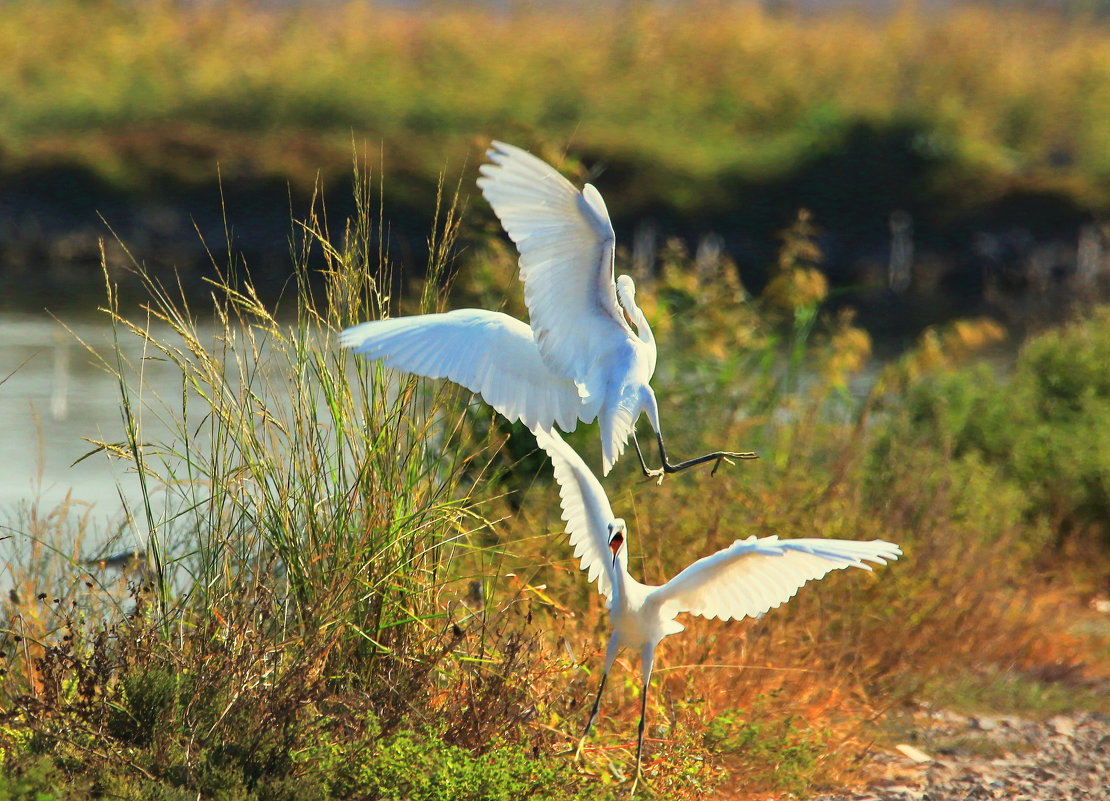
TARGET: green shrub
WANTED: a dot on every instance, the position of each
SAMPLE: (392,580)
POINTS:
(407,767)
(32,779)
(1045,427)
(148,700)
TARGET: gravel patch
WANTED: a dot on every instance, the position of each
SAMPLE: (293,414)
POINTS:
(1064,758)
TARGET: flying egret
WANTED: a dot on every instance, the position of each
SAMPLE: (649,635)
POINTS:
(579,359)
(745,579)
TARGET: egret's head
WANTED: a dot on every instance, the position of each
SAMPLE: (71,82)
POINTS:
(617,532)
(626,291)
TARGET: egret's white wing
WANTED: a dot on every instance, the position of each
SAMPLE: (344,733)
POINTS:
(487,352)
(754,575)
(566,244)
(585,508)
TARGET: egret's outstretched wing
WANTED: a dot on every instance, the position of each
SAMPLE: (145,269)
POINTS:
(754,575)
(566,244)
(487,352)
(585,508)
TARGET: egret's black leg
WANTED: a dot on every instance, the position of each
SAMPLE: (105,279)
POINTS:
(647,662)
(717,456)
(610,657)
(649,472)
(593,716)
(643,462)
(640,738)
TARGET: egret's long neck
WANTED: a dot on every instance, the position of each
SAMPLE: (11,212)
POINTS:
(641,323)
(621,580)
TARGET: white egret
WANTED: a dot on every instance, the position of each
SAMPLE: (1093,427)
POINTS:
(579,359)
(746,579)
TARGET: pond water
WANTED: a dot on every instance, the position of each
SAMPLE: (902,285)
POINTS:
(55,393)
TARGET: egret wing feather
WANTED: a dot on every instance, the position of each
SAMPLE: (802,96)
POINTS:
(566,244)
(487,352)
(754,575)
(585,509)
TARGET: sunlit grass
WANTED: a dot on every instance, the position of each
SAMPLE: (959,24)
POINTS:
(994,691)
(300,513)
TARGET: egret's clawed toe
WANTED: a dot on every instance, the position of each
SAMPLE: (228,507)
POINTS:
(578,750)
(637,780)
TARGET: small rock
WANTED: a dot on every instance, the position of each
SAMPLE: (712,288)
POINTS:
(1064,726)
(984,724)
(913,754)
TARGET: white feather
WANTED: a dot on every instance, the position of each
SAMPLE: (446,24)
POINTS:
(578,359)
(487,352)
(585,508)
(566,245)
(752,576)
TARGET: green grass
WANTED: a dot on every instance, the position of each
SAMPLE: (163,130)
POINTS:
(778,753)
(1043,428)
(300,511)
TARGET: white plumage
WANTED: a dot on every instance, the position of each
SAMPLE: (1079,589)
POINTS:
(746,579)
(566,243)
(487,352)
(579,359)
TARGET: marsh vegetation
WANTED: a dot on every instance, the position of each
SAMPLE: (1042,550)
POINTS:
(711,117)
(357,586)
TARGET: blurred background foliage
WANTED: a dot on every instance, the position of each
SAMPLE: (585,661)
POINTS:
(984,125)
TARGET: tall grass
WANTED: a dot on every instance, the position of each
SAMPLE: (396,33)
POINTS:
(281,464)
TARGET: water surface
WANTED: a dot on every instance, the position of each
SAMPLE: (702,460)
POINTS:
(56,394)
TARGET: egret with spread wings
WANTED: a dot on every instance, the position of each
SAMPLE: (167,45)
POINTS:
(746,579)
(579,359)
